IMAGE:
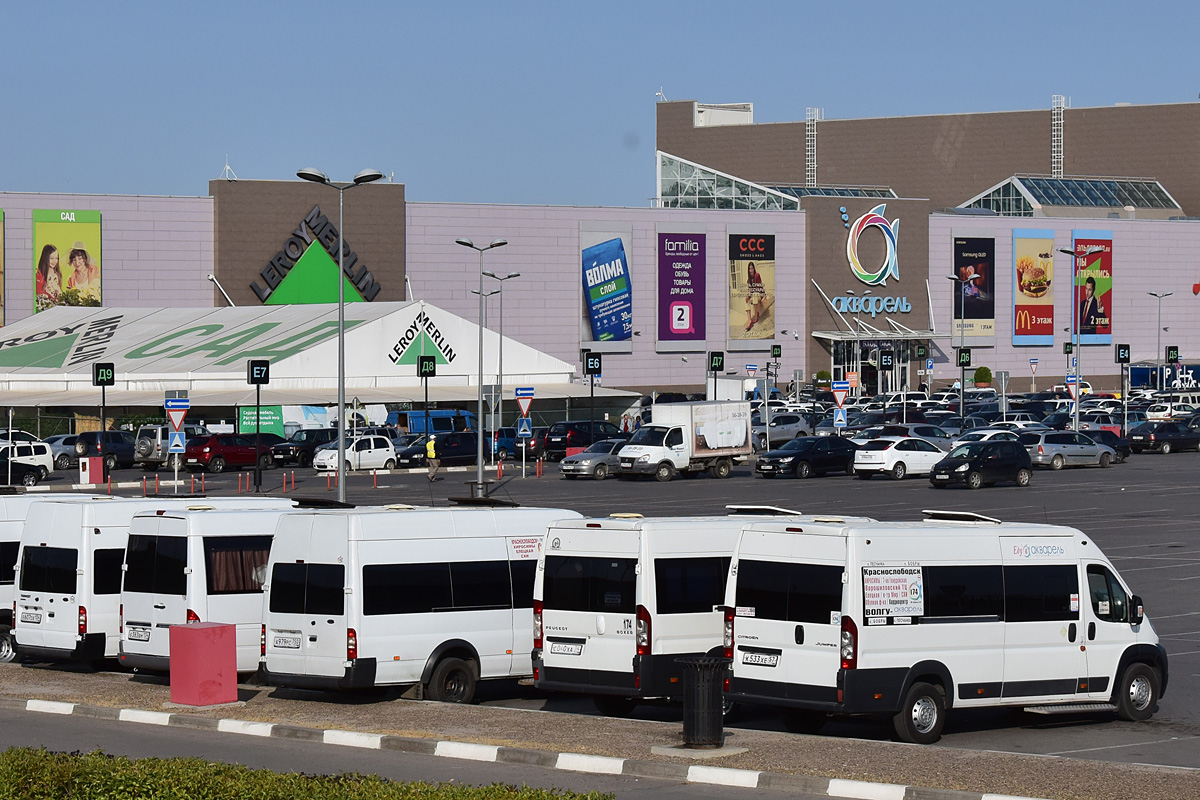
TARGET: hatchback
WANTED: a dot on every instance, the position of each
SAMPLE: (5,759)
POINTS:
(63,448)
(977,464)
(1058,449)
(896,456)
(217,452)
(1163,437)
(365,452)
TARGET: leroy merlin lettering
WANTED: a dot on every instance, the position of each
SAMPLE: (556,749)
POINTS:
(315,226)
(434,343)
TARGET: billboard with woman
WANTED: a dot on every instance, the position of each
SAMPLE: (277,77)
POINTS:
(66,252)
(751,286)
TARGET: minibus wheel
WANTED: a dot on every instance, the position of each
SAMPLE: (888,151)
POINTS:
(1137,694)
(8,649)
(453,681)
(922,715)
(612,706)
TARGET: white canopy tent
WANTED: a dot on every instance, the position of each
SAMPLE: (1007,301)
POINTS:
(47,359)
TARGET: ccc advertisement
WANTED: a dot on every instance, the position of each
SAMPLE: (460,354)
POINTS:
(1033,271)
(66,252)
(751,286)
(681,283)
(975,297)
(607,292)
(1093,286)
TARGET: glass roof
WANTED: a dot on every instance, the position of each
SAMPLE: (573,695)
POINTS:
(835,191)
(685,184)
(1097,192)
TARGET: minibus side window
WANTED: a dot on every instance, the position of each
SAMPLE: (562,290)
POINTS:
(481,584)
(1109,602)
(964,591)
(406,588)
(1040,593)
(523,573)
(690,585)
(236,564)
(49,569)
(8,561)
(106,571)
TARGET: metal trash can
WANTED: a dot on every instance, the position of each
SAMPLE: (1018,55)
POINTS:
(703,700)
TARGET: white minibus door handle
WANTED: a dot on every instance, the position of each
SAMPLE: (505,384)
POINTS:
(1091,631)
(160,606)
(1071,631)
(799,634)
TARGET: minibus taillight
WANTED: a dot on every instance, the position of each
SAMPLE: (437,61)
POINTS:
(849,647)
(192,616)
(728,636)
(121,618)
(537,624)
(642,631)
(262,641)
(351,644)
(82,621)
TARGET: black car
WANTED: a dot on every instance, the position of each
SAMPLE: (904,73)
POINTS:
(22,473)
(1059,420)
(1118,443)
(118,447)
(300,447)
(533,446)
(808,455)
(578,433)
(1163,437)
(976,464)
(455,448)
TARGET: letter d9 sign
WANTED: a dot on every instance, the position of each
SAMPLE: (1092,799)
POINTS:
(103,374)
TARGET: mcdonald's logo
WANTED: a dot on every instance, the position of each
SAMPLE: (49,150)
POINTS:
(1023,320)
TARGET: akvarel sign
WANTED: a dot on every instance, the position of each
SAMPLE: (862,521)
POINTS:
(314,227)
(872,305)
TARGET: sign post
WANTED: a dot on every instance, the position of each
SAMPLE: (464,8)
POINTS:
(103,375)
(426,369)
(716,363)
(592,366)
(258,372)
(524,395)
(1122,357)
(176,404)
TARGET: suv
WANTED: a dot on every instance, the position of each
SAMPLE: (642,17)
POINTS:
(36,453)
(301,445)
(154,441)
(118,447)
(578,433)
(215,453)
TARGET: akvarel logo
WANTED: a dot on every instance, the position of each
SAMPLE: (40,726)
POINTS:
(1029,551)
(890,230)
(872,305)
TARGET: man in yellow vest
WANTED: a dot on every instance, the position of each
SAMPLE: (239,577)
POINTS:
(431,459)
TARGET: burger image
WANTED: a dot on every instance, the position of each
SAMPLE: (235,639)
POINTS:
(1031,278)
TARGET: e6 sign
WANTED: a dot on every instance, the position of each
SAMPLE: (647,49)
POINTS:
(104,374)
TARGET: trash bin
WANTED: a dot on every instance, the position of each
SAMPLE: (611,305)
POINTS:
(703,700)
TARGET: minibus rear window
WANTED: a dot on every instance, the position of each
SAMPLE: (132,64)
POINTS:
(308,589)
(236,564)
(792,592)
(597,585)
(49,569)
(8,561)
(690,585)
(156,564)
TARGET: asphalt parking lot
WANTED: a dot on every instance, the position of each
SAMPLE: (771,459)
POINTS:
(1143,513)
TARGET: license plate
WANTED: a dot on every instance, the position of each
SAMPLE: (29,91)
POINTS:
(139,634)
(288,642)
(192,460)
(1136,438)
(941,477)
(761,659)
(566,649)
(29,616)
(766,468)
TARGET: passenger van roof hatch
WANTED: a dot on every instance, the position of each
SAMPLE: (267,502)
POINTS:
(626,515)
(760,511)
(399,507)
(959,516)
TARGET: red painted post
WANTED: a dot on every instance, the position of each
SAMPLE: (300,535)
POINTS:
(202,483)
(193,489)
(374,479)
(327,481)
(143,486)
(156,483)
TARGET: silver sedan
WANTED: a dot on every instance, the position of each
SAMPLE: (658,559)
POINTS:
(1058,449)
(598,461)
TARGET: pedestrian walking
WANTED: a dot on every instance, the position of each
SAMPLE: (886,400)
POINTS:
(431,458)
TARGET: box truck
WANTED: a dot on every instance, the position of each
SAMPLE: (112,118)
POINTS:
(689,438)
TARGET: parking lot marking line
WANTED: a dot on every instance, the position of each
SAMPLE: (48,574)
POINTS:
(1191,578)
(1121,746)
(1164,566)
(466,750)
(1185,653)
(722,776)
(1143,547)
(1173,616)
(581,762)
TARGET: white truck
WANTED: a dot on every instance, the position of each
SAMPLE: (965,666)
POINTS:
(689,438)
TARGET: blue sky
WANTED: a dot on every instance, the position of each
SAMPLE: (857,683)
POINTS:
(521,102)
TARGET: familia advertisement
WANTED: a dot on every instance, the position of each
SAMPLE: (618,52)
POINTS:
(66,249)
(1093,285)
(975,296)
(1033,271)
(607,293)
(681,285)
(751,286)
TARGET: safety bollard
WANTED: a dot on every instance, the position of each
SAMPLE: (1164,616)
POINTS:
(327,487)
(193,487)
(499,469)
(201,483)
(156,483)
(374,479)
(293,480)
(143,486)
(110,484)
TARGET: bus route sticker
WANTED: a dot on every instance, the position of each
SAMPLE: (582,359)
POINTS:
(892,593)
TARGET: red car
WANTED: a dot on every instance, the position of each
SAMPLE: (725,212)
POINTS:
(217,452)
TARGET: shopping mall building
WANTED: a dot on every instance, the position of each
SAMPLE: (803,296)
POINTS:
(834,239)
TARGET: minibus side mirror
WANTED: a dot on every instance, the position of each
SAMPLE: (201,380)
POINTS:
(1136,612)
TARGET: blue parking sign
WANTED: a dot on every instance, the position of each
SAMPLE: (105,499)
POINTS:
(524,428)
(839,418)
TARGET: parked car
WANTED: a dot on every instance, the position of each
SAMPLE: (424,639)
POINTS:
(896,456)
(118,447)
(1058,449)
(533,446)
(406,440)
(504,442)
(62,447)
(930,433)
(1119,444)
(216,452)
(455,448)
(985,463)
(154,441)
(1099,421)
(38,454)
(984,435)
(784,426)
(1018,425)
(363,452)
(598,461)
(577,433)
(1163,437)
(17,436)
(300,447)
(1169,411)
(22,473)
(808,455)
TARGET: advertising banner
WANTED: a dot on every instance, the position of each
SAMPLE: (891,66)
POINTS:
(681,283)
(1093,286)
(2,297)
(751,286)
(272,420)
(975,299)
(1033,286)
(607,297)
(892,593)
(66,253)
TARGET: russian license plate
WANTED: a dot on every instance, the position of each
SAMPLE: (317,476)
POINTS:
(192,460)
(761,659)
(766,467)
(566,649)
(288,642)
(139,634)
(30,616)
(1136,438)
(941,476)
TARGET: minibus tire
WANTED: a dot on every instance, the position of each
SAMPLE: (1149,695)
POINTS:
(922,715)
(1137,693)
(8,647)
(453,681)
(802,720)
(610,705)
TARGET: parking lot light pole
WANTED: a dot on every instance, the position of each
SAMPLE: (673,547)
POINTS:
(479,485)
(364,176)
(486,309)
(962,342)
(1158,338)
(500,367)
(857,360)
(1076,322)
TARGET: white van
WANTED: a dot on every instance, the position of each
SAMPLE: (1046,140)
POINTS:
(189,565)
(910,619)
(69,572)
(440,597)
(618,600)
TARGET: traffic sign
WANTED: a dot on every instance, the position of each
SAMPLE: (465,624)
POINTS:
(524,428)
(923,351)
(176,442)
(258,372)
(840,389)
(1122,354)
(776,351)
(523,391)
(751,369)
(177,402)
(1074,362)
(1071,386)
(176,416)
(887,359)
(1172,353)
(592,364)
(523,404)
(716,361)
(1068,348)
(929,363)
(1033,362)
(426,367)
(964,356)
(839,418)
(103,374)
(852,379)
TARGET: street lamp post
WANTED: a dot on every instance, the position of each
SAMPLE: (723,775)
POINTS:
(1076,323)
(962,342)
(1158,338)
(480,490)
(857,361)
(487,310)
(365,176)
(500,367)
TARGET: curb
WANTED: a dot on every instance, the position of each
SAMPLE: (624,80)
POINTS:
(571,762)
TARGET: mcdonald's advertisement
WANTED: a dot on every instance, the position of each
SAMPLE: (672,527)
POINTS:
(1033,292)
(975,295)
(751,286)
(66,252)
(1093,286)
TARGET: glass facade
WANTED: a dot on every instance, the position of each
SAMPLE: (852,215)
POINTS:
(683,184)
(1012,198)
(834,191)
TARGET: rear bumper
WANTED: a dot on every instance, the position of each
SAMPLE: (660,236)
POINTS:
(143,661)
(90,648)
(648,677)
(857,692)
(358,675)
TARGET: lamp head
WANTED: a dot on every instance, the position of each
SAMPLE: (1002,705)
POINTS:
(497,243)
(313,174)
(465,243)
(368,176)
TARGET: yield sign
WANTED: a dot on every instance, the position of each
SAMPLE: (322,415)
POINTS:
(523,404)
(176,416)
(1071,385)
(839,395)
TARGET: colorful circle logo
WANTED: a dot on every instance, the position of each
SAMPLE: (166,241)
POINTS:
(890,230)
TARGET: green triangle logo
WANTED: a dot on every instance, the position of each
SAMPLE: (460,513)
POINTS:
(312,280)
(421,346)
(50,354)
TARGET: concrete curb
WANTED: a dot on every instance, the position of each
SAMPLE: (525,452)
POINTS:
(572,762)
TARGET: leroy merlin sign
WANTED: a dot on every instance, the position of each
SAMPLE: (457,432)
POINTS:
(302,272)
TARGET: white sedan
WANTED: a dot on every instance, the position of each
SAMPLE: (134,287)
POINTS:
(985,435)
(896,456)
(365,452)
